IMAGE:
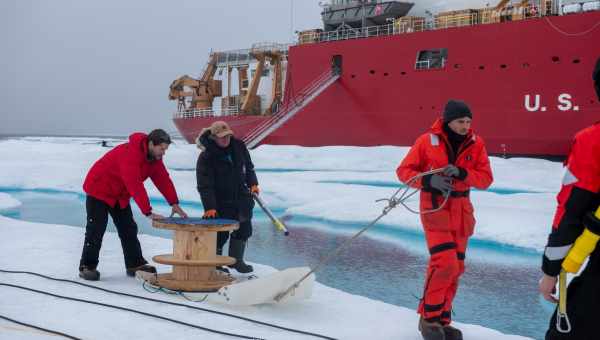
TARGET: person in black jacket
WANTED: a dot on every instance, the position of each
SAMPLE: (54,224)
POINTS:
(226,182)
(578,199)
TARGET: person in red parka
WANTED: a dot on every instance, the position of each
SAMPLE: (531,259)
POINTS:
(451,145)
(109,185)
(578,199)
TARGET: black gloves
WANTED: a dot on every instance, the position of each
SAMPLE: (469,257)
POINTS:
(441,183)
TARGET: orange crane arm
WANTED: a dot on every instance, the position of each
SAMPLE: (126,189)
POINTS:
(251,97)
(502,4)
(176,88)
(211,68)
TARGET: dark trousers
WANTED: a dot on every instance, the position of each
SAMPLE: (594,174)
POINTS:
(97,219)
(241,212)
(583,305)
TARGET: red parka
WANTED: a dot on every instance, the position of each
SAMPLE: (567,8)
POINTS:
(579,195)
(121,172)
(431,151)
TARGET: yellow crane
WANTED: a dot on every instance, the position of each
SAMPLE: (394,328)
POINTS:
(251,101)
(502,4)
(202,91)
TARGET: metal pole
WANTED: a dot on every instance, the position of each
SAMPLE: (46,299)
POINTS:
(364,18)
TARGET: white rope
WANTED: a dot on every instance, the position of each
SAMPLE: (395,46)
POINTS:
(571,34)
(392,203)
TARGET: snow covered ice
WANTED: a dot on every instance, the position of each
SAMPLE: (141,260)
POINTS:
(336,193)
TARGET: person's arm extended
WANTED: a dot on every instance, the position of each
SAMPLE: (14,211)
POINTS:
(131,174)
(161,179)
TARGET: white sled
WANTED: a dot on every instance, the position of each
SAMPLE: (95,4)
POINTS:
(264,289)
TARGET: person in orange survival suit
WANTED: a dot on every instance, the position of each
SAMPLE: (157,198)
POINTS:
(578,198)
(452,145)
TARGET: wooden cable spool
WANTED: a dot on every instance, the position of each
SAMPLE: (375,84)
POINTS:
(194,257)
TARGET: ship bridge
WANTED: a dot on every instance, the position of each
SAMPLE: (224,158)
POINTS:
(356,14)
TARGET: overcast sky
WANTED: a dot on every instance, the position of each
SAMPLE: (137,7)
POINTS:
(105,66)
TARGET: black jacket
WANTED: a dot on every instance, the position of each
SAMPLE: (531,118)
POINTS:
(224,175)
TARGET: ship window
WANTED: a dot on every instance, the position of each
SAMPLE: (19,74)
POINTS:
(431,59)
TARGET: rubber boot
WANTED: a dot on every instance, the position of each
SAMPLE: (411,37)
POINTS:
(145,268)
(431,330)
(90,274)
(452,333)
(220,268)
(236,250)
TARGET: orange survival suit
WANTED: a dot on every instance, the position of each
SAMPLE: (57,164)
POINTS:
(447,230)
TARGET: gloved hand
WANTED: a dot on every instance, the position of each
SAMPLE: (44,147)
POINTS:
(212,213)
(442,183)
(451,170)
(254,189)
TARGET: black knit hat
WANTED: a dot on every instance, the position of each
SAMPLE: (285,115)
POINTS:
(456,109)
(596,77)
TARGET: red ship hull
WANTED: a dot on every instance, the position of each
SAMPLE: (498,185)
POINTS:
(528,84)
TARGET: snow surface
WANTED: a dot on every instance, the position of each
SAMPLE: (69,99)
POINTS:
(54,250)
(331,183)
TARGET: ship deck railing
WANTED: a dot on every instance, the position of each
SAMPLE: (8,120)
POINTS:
(206,113)
(243,57)
(404,25)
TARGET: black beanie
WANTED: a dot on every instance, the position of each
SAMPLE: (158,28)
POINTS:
(596,77)
(456,109)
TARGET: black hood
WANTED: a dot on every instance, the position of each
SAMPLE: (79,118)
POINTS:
(210,147)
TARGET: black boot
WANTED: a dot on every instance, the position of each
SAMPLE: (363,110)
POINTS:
(452,333)
(90,274)
(236,250)
(223,269)
(431,330)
